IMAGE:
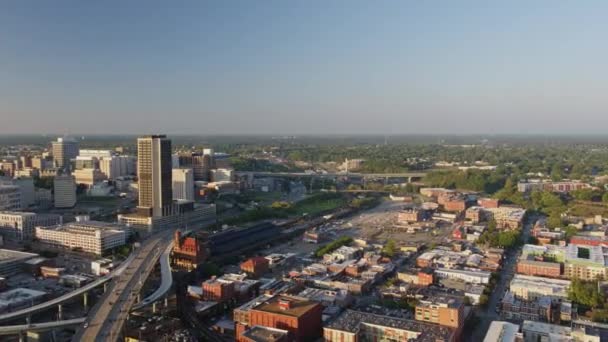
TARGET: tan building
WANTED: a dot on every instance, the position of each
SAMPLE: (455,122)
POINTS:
(88,177)
(154,174)
(443,310)
(89,236)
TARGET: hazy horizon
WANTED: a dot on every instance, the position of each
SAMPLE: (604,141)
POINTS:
(303,68)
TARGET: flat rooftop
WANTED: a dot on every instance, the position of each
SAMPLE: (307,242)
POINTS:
(351,321)
(298,306)
(7,255)
(264,334)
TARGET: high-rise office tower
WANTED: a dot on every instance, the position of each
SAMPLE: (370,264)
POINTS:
(64,150)
(202,165)
(154,174)
(183,184)
(65,191)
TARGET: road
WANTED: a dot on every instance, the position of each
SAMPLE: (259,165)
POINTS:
(490,313)
(106,319)
(17,329)
(69,295)
(166,281)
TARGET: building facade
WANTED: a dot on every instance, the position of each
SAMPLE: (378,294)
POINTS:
(154,174)
(21,225)
(64,150)
(183,184)
(64,191)
(89,236)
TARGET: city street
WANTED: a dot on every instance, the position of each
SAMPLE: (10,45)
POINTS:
(490,313)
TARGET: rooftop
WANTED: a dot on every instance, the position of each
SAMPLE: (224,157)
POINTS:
(297,306)
(351,321)
(501,332)
(264,334)
(7,255)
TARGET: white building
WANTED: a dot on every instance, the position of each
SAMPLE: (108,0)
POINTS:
(534,331)
(89,236)
(183,184)
(473,277)
(95,153)
(117,166)
(531,288)
(10,197)
(502,332)
(65,191)
(101,267)
(222,175)
(21,225)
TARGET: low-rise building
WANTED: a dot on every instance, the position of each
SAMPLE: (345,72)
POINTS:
(354,326)
(586,262)
(255,267)
(21,225)
(533,331)
(12,262)
(539,309)
(473,277)
(532,288)
(19,298)
(301,318)
(502,332)
(539,268)
(443,310)
(87,236)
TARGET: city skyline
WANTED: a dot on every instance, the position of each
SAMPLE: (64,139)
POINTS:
(302,68)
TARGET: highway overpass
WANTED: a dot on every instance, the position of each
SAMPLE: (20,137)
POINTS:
(68,296)
(331,175)
(106,319)
(166,280)
(18,329)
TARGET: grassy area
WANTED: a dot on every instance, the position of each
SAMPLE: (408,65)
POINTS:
(312,206)
(586,209)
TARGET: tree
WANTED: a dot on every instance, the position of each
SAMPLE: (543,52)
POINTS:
(585,293)
(390,248)
(554,220)
(605,197)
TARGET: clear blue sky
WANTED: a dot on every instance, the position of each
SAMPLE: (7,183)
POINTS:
(390,67)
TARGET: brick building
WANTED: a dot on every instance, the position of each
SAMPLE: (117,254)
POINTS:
(188,252)
(539,268)
(218,290)
(255,267)
(301,318)
(443,310)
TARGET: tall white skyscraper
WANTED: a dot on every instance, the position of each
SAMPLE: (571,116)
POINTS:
(154,174)
(183,184)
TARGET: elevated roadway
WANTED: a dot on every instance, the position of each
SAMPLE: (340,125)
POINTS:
(106,319)
(166,280)
(331,175)
(68,296)
(17,329)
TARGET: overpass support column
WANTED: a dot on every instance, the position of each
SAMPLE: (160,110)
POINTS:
(23,336)
(166,302)
(85,299)
(59,312)
(409,179)
(139,298)
(105,287)
(154,307)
